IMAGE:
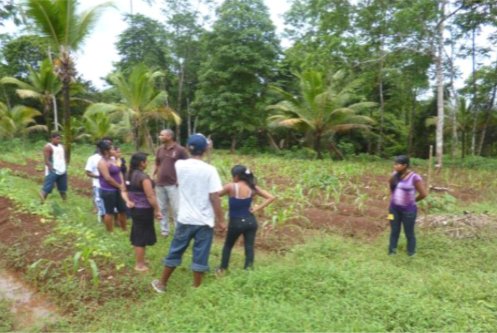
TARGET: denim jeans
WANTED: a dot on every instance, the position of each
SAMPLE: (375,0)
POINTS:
(99,203)
(167,196)
(202,235)
(246,226)
(407,220)
(51,179)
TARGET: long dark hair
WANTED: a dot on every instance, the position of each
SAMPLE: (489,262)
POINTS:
(244,174)
(134,164)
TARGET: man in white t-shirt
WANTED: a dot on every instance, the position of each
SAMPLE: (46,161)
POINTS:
(91,170)
(55,168)
(199,208)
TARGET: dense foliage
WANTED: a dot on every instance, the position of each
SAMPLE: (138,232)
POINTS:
(218,70)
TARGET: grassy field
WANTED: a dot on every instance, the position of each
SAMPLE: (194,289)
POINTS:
(328,281)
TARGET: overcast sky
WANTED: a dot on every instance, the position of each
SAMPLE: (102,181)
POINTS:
(95,58)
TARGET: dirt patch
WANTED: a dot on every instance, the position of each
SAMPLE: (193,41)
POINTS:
(32,171)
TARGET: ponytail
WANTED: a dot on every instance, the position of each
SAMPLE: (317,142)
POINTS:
(244,174)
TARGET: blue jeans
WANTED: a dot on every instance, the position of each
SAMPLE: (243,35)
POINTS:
(408,220)
(202,235)
(99,203)
(246,226)
(51,179)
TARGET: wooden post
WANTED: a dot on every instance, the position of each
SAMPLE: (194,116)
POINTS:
(428,180)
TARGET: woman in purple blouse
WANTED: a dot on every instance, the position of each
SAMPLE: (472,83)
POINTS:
(140,198)
(407,188)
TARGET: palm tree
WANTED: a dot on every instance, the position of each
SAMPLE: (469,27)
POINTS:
(96,125)
(141,102)
(321,109)
(66,29)
(43,86)
(18,121)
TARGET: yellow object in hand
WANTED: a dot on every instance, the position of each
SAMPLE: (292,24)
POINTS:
(390,217)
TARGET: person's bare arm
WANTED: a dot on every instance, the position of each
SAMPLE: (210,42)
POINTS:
(268,198)
(226,189)
(47,154)
(91,174)
(216,205)
(129,203)
(421,188)
(152,199)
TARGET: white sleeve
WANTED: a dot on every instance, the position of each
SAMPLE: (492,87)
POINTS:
(215,184)
(89,164)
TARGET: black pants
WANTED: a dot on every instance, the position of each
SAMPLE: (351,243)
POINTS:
(246,226)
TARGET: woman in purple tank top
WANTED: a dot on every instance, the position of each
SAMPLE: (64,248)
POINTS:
(404,184)
(111,184)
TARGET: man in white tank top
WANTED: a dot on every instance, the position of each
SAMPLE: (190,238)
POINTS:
(55,168)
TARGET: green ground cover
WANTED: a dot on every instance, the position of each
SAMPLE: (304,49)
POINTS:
(330,283)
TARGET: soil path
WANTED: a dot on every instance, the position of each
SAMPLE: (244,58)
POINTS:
(30,171)
(30,309)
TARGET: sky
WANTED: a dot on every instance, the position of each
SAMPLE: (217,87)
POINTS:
(98,53)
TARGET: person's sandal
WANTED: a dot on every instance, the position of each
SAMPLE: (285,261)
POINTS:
(141,269)
(157,287)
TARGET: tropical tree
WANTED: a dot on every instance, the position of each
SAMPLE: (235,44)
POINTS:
(141,101)
(18,121)
(241,53)
(65,28)
(321,109)
(42,86)
(96,125)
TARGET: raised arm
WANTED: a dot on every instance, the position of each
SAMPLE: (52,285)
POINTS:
(268,198)
(226,189)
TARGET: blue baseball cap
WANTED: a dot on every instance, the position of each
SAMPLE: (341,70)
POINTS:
(197,144)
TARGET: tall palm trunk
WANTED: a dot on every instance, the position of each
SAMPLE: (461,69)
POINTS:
(65,70)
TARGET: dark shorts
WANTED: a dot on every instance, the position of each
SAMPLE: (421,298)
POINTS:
(54,179)
(112,201)
(142,229)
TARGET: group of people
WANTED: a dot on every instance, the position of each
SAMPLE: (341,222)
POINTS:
(184,184)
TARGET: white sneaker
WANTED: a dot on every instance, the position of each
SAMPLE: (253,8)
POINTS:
(156,285)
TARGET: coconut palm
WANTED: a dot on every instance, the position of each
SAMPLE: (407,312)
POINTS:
(321,109)
(18,121)
(66,29)
(141,101)
(42,85)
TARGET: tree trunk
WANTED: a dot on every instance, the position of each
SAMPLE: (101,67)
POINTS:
(67,119)
(180,96)
(440,89)
(46,112)
(382,102)
(412,111)
(233,144)
(333,148)
(488,112)
(272,143)
(55,114)
(317,144)
(453,114)
(473,106)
